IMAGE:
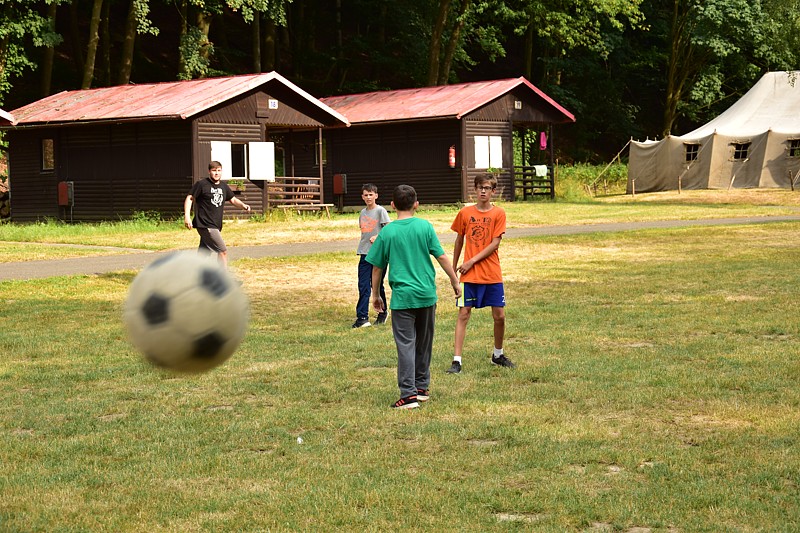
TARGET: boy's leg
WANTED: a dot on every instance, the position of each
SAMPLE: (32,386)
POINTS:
(425,326)
(364,288)
(464,314)
(460,334)
(499,317)
(382,316)
(405,337)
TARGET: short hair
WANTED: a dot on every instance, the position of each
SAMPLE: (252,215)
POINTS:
(404,197)
(491,178)
(214,164)
(369,187)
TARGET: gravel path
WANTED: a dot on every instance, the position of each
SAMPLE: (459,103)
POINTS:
(24,270)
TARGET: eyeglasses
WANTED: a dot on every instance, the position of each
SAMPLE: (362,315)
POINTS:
(488,188)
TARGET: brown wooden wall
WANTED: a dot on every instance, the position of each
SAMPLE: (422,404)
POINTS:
(117,170)
(387,155)
(505,189)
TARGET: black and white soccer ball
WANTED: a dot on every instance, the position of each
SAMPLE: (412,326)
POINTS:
(186,313)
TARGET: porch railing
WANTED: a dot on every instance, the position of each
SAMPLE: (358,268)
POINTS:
(529,181)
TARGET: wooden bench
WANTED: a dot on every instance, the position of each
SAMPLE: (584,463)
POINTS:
(307,207)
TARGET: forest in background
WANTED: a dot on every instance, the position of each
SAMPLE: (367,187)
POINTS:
(624,68)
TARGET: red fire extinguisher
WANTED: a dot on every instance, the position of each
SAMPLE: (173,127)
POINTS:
(452,156)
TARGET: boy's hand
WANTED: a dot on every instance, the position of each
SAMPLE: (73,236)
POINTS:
(456,287)
(465,266)
(377,304)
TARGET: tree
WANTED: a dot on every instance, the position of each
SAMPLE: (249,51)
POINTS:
(717,48)
(21,27)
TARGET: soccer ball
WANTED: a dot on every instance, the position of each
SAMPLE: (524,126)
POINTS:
(184,312)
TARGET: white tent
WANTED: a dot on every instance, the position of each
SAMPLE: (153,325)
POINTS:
(754,143)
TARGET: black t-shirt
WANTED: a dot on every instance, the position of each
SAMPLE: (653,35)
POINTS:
(209,203)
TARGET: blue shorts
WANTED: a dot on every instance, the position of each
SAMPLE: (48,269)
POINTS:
(479,295)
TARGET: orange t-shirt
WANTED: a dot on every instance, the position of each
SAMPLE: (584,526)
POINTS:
(479,228)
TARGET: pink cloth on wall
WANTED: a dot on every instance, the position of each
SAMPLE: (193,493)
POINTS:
(543,141)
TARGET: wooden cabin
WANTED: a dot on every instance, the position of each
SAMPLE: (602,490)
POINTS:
(437,139)
(109,153)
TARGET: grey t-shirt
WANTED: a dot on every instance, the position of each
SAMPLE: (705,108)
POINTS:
(370,221)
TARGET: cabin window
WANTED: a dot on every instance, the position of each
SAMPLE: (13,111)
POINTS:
(48,155)
(488,151)
(280,161)
(238,160)
(317,152)
(740,151)
(252,161)
(691,151)
(794,147)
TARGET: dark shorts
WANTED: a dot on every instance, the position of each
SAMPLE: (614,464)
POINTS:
(211,239)
(481,295)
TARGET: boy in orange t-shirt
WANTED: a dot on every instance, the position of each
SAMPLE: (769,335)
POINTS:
(480,229)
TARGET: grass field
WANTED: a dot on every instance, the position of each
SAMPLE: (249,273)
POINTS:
(656,390)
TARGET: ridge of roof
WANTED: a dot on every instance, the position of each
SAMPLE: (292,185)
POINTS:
(172,99)
(441,101)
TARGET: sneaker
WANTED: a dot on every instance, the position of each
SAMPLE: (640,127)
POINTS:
(503,361)
(455,368)
(381,319)
(409,402)
(361,323)
(423,395)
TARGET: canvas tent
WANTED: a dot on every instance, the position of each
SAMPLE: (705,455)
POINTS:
(754,143)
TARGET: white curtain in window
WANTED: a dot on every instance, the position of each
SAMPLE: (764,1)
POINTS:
(496,151)
(481,151)
(262,161)
(221,151)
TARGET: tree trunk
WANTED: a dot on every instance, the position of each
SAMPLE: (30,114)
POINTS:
(204,25)
(184,14)
(436,42)
(105,45)
(682,64)
(269,46)
(75,37)
(255,36)
(527,64)
(128,42)
(49,54)
(91,49)
(452,44)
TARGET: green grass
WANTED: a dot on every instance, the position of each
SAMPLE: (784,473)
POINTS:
(656,388)
(148,233)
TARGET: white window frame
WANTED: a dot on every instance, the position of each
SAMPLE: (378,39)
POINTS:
(259,156)
(488,151)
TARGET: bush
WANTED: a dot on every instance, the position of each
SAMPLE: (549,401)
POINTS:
(582,181)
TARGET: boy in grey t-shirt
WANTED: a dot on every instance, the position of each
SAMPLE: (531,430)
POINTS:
(372,218)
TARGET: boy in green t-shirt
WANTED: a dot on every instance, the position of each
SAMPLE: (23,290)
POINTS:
(405,246)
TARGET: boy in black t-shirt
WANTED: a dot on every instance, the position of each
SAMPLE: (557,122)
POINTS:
(209,196)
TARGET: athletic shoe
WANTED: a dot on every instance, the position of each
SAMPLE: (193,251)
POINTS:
(503,361)
(423,395)
(361,323)
(409,402)
(381,319)
(455,368)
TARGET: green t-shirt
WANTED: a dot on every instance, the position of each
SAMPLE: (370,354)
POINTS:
(406,246)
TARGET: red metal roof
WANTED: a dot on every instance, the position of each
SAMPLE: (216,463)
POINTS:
(445,101)
(178,100)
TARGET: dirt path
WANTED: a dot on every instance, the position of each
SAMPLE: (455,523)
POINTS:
(24,270)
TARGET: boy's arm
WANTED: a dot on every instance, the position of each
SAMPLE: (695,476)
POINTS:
(187,211)
(480,256)
(377,301)
(240,204)
(446,265)
(457,247)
